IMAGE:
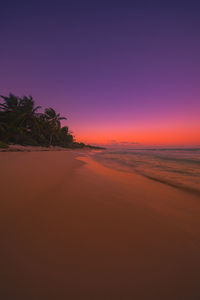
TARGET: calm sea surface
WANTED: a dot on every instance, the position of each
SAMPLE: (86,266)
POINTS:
(176,167)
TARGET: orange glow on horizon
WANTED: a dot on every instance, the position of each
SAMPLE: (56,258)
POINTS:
(171,129)
(159,136)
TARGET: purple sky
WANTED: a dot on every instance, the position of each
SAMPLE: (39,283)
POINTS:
(117,69)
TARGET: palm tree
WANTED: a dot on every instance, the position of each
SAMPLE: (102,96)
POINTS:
(28,115)
(10,111)
(54,121)
(11,103)
(20,122)
(3,128)
(65,130)
(28,105)
(20,116)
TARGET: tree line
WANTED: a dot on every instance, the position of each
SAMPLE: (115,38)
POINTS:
(22,123)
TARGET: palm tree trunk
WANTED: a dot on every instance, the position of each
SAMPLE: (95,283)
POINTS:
(50,140)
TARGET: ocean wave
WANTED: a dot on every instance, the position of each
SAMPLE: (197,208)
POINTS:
(174,167)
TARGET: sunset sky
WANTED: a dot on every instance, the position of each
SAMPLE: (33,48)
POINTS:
(120,71)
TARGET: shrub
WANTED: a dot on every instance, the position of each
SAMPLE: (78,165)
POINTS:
(3,145)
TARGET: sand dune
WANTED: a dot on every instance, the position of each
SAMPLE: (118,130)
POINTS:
(74,229)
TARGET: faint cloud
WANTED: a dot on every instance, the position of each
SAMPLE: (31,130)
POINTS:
(129,143)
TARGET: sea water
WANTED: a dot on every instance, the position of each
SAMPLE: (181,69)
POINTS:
(179,167)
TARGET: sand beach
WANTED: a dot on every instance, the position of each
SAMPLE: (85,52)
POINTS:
(72,228)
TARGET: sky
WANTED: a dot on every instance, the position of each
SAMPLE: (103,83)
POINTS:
(122,72)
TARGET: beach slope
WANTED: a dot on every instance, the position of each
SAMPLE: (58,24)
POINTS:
(74,229)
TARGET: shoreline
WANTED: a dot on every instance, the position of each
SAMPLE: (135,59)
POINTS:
(72,228)
(20,148)
(186,189)
(176,202)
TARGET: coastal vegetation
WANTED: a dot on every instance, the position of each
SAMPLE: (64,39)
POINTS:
(22,123)
(3,145)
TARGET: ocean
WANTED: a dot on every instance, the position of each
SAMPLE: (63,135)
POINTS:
(179,168)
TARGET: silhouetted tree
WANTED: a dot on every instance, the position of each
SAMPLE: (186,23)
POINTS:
(54,121)
(20,122)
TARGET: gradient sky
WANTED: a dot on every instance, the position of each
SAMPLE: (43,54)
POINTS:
(121,71)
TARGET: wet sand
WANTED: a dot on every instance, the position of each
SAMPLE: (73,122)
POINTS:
(73,229)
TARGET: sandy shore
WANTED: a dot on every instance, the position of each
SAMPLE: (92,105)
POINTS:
(73,229)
